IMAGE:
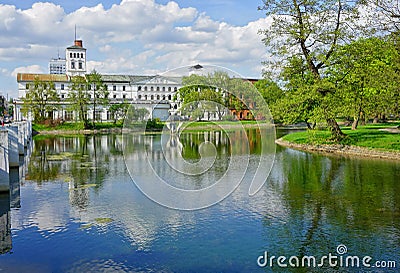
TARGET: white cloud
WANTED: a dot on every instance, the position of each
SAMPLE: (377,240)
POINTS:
(27,69)
(132,37)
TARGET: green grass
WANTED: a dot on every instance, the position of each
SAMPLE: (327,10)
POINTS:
(74,126)
(367,136)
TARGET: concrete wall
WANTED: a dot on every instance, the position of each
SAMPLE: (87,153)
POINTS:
(4,165)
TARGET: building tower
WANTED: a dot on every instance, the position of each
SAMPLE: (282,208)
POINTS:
(76,59)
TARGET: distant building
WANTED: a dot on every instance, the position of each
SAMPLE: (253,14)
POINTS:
(57,66)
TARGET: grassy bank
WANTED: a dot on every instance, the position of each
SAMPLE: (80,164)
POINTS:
(370,136)
(73,126)
(152,126)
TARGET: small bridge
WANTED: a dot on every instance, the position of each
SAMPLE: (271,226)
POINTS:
(14,140)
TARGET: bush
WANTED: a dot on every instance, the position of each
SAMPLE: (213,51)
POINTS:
(229,118)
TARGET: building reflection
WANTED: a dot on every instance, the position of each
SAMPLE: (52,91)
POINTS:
(15,194)
(5,224)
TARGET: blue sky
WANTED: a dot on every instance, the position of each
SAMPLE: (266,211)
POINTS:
(131,36)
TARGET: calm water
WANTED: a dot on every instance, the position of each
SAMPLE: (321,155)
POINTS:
(74,208)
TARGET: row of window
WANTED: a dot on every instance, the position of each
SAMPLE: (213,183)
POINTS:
(140,97)
(153,97)
(114,87)
(76,55)
(145,88)
(80,65)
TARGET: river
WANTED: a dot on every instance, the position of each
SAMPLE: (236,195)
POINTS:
(73,207)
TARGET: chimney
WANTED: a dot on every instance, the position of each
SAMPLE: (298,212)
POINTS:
(78,43)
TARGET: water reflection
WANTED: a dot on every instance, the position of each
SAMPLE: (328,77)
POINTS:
(88,214)
(5,224)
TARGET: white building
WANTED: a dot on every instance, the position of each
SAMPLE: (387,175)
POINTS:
(155,93)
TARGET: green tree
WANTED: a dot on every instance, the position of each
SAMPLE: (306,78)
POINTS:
(79,99)
(40,99)
(271,93)
(118,111)
(201,94)
(98,92)
(310,30)
(85,91)
(365,71)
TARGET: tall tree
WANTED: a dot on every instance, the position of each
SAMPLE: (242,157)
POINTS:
(310,30)
(88,91)
(40,99)
(79,99)
(98,91)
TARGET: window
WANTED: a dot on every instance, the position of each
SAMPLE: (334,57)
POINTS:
(73,65)
(169,97)
(114,96)
(158,97)
(163,97)
(158,88)
(175,89)
(124,96)
(68,115)
(140,97)
(109,115)
(80,65)
(139,88)
(169,89)
(114,88)
(62,86)
(152,97)
(152,88)
(145,97)
(82,55)
(97,115)
(27,86)
(163,89)
(70,55)
(123,88)
(62,96)
(74,55)
(145,88)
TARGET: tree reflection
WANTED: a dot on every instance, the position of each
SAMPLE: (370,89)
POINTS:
(330,198)
(81,161)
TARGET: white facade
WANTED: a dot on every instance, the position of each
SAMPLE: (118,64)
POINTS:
(154,93)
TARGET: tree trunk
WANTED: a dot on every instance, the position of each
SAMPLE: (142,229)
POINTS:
(355,123)
(337,133)
(376,119)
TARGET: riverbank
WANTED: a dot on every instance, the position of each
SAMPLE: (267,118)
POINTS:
(373,141)
(107,128)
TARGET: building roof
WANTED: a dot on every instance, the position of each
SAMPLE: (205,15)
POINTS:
(124,78)
(76,47)
(30,77)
